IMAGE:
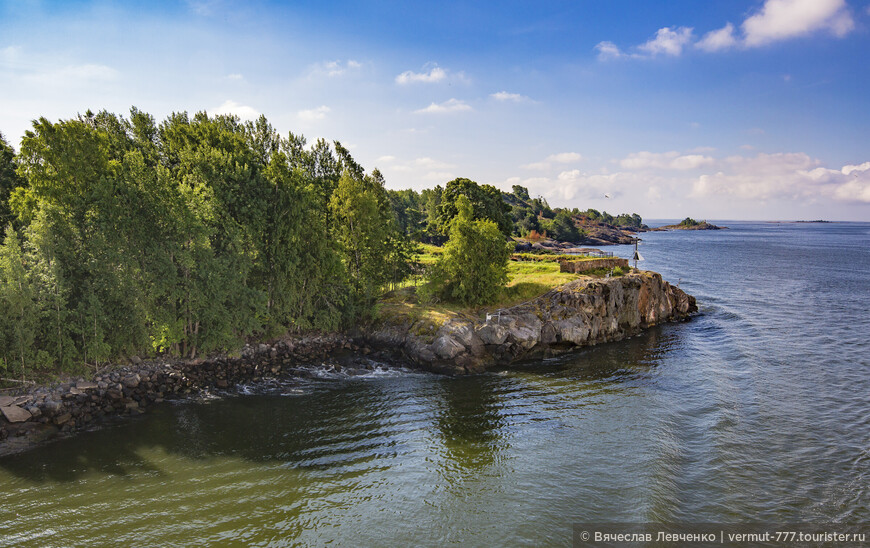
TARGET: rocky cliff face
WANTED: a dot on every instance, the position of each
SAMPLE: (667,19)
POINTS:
(581,313)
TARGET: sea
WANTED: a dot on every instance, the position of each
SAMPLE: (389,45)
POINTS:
(757,409)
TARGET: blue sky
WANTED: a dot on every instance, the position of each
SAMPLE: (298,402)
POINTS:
(754,109)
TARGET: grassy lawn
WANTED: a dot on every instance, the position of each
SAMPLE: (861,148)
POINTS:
(530,275)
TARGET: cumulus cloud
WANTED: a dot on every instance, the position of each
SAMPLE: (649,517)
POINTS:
(560,158)
(451,105)
(242,111)
(505,96)
(776,20)
(336,68)
(717,40)
(794,176)
(608,50)
(434,75)
(664,160)
(418,173)
(573,184)
(312,114)
(783,19)
(668,41)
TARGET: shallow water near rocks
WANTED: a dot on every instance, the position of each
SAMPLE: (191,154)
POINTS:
(755,410)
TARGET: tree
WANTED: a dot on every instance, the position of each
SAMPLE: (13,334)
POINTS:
(473,267)
(18,324)
(563,228)
(361,231)
(486,202)
(9,180)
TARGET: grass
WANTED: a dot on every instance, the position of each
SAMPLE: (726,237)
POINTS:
(529,278)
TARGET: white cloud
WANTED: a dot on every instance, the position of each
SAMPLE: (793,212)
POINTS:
(451,105)
(608,50)
(783,19)
(560,158)
(429,163)
(664,160)
(717,40)
(335,68)
(435,75)
(565,157)
(235,76)
(242,111)
(793,176)
(668,41)
(505,96)
(776,20)
(419,173)
(312,114)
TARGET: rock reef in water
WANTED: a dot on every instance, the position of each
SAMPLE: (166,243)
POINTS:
(580,313)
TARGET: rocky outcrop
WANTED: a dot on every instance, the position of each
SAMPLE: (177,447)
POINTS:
(580,313)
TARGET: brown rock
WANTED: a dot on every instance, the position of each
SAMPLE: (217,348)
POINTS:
(13,413)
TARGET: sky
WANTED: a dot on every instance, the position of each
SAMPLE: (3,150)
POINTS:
(737,109)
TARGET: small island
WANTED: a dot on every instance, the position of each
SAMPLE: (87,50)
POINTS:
(691,224)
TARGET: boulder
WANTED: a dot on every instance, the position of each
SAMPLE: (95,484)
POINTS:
(447,348)
(131,381)
(492,333)
(13,413)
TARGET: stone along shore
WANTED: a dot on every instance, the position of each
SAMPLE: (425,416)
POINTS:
(581,313)
(44,412)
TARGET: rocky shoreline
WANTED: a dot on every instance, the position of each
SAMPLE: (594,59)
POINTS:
(46,412)
(584,312)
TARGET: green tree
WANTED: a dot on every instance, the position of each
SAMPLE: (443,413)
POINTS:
(486,202)
(9,180)
(563,227)
(18,324)
(473,267)
(362,232)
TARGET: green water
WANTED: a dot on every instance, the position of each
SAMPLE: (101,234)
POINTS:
(756,410)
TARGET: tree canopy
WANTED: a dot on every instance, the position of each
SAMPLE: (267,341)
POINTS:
(473,268)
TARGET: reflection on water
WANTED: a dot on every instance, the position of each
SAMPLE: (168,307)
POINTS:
(754,410)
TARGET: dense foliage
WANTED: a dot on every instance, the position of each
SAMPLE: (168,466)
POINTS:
(473,267)
(123,236)
(183,237)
